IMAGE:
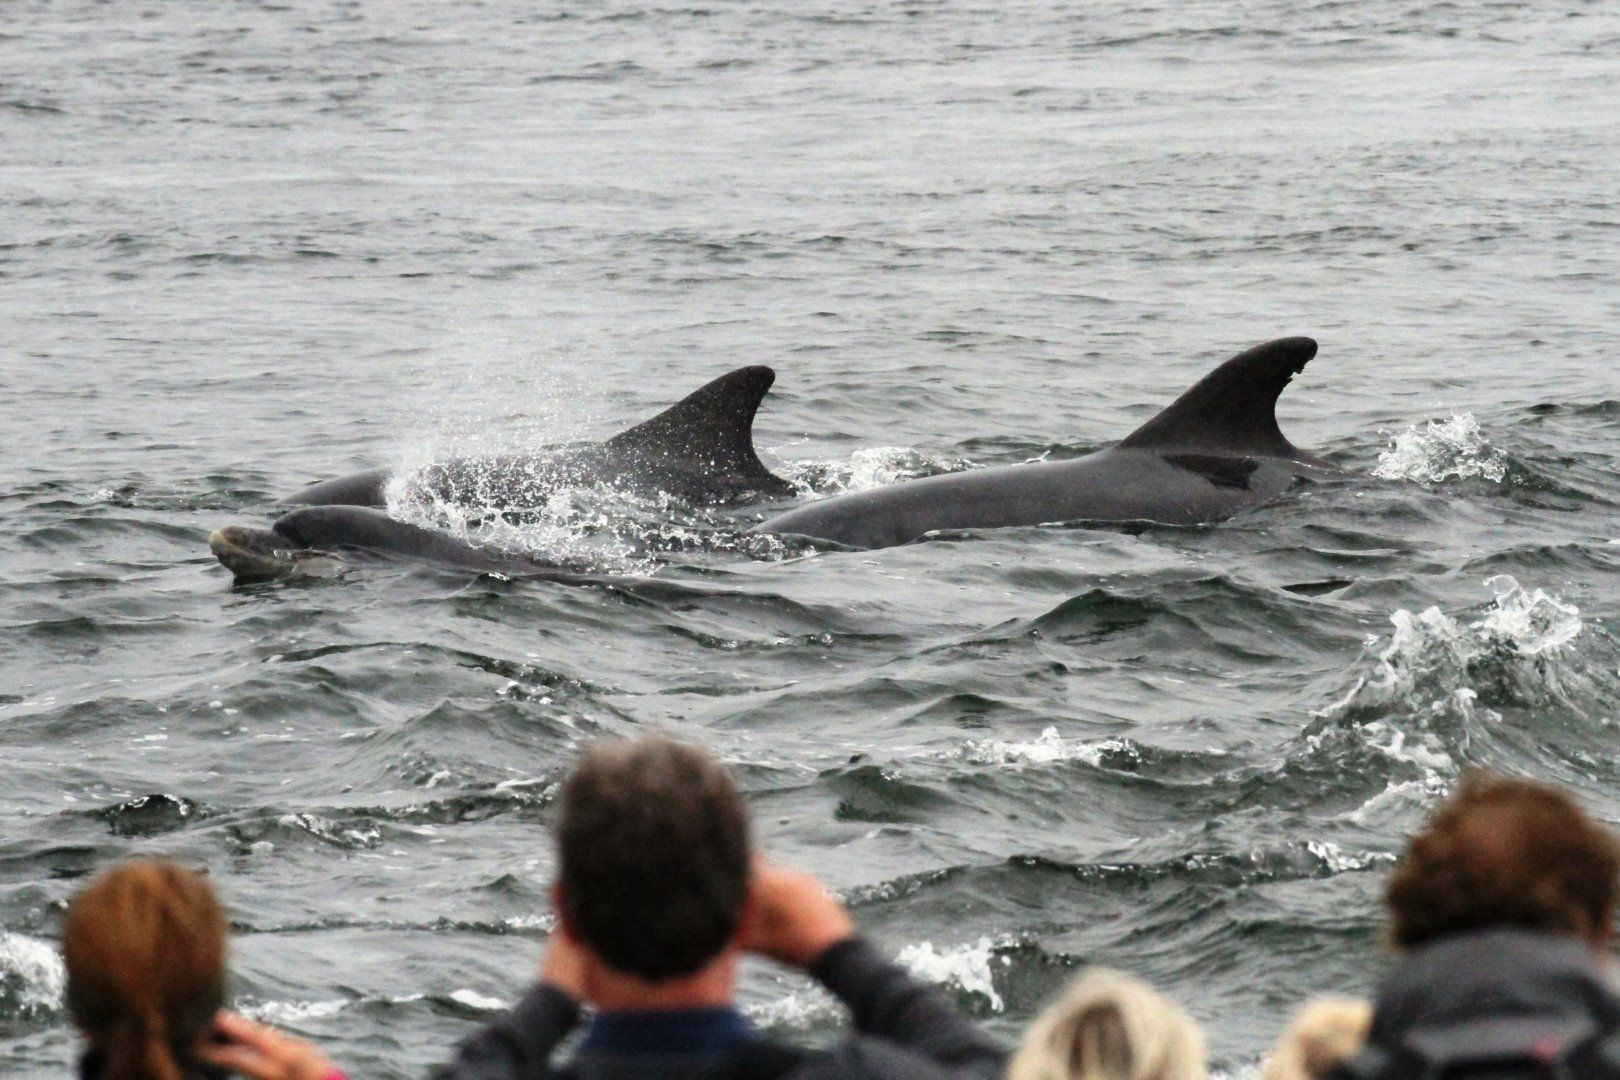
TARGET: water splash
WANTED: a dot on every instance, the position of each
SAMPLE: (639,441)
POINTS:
(31,977)
(801,1011)
(1515,654)
(1440,450)
(589,527)
(1044,749)
(874,467)
(967,968)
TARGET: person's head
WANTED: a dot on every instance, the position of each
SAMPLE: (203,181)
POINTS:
(1108,1026)
(1504,853)
(655,858)
(1321,1037)
(144,946)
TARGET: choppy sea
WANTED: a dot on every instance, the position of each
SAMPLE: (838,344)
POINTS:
(248,245)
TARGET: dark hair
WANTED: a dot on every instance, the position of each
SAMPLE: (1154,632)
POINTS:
(1505,853)
(654,855)
(144,946)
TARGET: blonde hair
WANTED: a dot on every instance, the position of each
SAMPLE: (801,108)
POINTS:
(1108,1026)
(144,946)
(1319,1038)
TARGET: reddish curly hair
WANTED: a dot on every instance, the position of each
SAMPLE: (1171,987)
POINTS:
(1505,853)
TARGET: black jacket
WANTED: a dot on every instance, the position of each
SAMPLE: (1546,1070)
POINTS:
(904,1030)
(92,1068)
(1495,1003)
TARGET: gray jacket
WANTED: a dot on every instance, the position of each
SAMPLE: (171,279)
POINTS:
(1497,1004)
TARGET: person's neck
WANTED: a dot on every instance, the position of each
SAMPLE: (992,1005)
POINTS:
(711,988)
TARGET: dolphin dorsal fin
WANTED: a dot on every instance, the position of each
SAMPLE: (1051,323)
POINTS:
(1233,408)
(710,430)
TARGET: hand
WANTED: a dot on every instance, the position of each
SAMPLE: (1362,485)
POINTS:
(260,1053)
(793,919)
(564,963)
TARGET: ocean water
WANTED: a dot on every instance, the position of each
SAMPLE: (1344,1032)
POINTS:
(250,245)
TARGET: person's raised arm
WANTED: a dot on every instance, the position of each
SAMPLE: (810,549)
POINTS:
(793,920)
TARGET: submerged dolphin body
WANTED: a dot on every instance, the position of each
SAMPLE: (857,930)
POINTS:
(303,541)
(1215,451)
(700,449)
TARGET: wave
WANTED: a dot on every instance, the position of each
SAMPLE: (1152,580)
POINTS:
(1517,653)
(1526,679)
(296,1013)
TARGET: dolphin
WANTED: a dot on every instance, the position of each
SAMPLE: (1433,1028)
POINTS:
(700,449)
(1215,451)
(305,542)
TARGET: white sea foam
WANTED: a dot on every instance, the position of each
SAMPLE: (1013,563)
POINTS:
(1452,449)
(800,1010)
(874,467)
(1046,748)
(292,1012)
(1529,623)
(474,1000)
(1432,660)
(968,968)
(333,832)
(1336,860)
(31,974)
(1399,796)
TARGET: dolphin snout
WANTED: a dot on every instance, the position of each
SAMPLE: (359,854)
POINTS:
(256,554)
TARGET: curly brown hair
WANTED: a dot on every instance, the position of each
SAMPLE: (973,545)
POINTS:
(1504,852)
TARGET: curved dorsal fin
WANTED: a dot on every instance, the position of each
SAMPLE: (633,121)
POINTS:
(1234,407)
(711,430)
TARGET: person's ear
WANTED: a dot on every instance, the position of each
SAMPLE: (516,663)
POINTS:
(747,919)
(559,911)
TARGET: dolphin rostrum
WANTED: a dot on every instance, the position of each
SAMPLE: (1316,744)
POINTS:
(1215,451)
(700,449)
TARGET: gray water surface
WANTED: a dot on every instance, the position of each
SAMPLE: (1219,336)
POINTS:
(246,246)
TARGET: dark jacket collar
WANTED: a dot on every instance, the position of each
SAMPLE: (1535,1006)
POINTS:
(698,1032)
(1502,977)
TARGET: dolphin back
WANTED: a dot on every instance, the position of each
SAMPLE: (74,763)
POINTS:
(356,489)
